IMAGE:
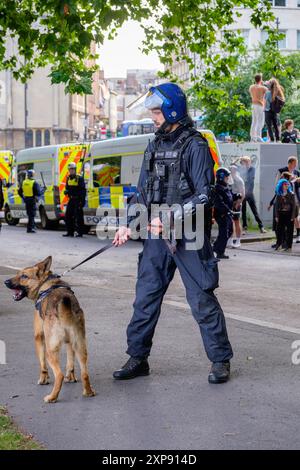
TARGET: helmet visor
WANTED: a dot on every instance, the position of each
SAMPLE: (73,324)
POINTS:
(153,101)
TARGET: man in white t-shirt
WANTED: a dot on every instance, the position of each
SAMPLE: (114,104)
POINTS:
(257,92)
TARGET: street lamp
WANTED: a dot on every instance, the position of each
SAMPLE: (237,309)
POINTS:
(85,118)
(277,27)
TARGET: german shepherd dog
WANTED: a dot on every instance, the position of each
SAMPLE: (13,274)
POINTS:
(58,319)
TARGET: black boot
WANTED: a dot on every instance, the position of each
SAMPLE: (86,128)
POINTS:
(222,256)
(219,373)
(68,235)
(133,368)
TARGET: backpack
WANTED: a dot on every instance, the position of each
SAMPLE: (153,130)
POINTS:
(277,105)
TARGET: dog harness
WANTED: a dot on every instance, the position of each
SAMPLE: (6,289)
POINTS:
(45,293)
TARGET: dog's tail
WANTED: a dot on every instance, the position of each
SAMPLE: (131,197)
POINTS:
(68,309)
(66,302)
(64,309)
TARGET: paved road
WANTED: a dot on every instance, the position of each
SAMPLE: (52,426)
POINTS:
(175,407)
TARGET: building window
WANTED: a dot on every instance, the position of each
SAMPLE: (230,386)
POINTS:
(38,138)
(29,138)
(279,3)
(47,137)
(245,34)
(264,36)
(282,42)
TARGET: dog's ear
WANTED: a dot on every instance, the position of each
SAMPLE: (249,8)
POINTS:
(44,266)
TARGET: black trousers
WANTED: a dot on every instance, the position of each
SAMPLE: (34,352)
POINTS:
(285,229)
(225,231)
(30,205)
(156,270)
(272,119)
(74,217)
(251,201)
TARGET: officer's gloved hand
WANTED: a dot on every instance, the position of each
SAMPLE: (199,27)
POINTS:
(189,209)
(66,192)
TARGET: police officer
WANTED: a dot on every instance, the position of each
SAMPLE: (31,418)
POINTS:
(30,191)
(223,211)
(177,167)
(1,200)
(76,191)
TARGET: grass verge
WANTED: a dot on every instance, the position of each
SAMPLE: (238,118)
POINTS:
(11,438)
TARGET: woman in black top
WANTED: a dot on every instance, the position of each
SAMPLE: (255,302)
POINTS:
(289,134)
(285,212)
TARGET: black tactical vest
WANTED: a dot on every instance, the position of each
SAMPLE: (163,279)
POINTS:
(168,181)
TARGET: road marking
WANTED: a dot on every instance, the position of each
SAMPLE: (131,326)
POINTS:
(252,321)
(11,267)
(231,316)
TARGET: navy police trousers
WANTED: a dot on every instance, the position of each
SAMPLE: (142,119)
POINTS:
(225,231)
(30,205)
(156,270)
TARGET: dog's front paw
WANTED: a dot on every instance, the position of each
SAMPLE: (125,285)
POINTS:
(50,399)
(89,393)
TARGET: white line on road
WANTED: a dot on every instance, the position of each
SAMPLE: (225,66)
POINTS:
(11,267)
(231,316)
(252,321)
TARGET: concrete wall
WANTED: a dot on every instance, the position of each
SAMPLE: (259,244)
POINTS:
(266,158)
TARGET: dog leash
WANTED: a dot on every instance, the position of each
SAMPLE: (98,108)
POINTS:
(98,252)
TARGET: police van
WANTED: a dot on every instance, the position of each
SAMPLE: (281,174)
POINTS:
(51,168)
(110,169)
(6,170)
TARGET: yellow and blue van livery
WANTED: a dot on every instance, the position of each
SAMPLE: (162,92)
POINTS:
(6,170)
(110,168)
(51,168)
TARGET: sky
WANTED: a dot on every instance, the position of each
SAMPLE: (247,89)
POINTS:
(123,52)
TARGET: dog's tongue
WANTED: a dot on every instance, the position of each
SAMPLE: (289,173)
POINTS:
(17,294)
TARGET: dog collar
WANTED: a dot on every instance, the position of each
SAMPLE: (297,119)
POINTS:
(45,293)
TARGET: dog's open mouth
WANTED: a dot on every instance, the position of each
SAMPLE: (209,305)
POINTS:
(19,294)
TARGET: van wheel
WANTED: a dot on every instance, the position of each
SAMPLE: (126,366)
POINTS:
(47,224)
(8,217)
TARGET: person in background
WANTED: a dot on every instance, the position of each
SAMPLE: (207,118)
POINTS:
(1,200)
(237,187)
(287,176)
(30,191)
(290,134)
(247,172)
(292,167)
(285,209)
(257,92)
(274,100)
(76,192)
(223,208)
